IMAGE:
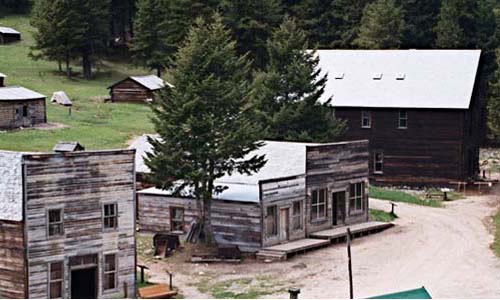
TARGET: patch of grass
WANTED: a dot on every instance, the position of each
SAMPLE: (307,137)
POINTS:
(496,243)
(95,124)
(240,288)
(139,284)
(381,216)
(400,196)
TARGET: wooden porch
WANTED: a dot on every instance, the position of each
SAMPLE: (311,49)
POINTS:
(320,239)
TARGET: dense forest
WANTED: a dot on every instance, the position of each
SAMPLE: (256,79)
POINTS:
(151,31)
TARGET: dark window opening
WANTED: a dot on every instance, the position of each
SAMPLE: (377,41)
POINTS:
(56,280)
(55,224)
(271,221)
(110,272)
(25,111)
(297,215)
(318,204)
(403,119)
(378,162)
(356,196)
(177,218)
(110,216)
(366,119)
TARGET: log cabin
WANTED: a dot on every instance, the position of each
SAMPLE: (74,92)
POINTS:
(137,89)
(20,107)
(421,110)
(9,35)
(303,188)
(67,224)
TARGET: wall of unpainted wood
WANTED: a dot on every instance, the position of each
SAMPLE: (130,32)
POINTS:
(80,183)
(9,119)
(130,91)
(334,167)
(433,150)
(12,260)
(6,38)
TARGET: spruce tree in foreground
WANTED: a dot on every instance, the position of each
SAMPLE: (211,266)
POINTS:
(382,26)
(205,122)
(493,106)
(287,94)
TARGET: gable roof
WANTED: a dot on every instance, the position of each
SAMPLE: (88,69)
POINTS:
(439,79)
(18,93)
(68,147)
(151,82)
(8,30)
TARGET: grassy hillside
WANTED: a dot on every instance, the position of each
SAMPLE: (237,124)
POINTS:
(95,124)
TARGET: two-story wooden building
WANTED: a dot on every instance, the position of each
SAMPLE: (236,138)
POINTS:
(421,110)
(67,224)
(303,188)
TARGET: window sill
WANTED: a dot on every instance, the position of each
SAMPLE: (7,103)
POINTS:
(378,173)
(366,127)
(356,213)
(402,128)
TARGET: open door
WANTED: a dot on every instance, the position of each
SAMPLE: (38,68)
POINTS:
(84,283)
(284,224)
(338,208)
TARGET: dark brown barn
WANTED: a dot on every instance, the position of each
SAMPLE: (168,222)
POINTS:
(419,109)
(67,225)
(9,35)
(136,89)
(21,107)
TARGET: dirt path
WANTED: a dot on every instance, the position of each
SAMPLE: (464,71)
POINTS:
(444,249)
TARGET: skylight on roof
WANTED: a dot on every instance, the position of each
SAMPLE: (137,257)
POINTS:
(377,76)
(338,75)
(400,76)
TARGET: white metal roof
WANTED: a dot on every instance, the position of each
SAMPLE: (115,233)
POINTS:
(3,75)
(152,82)
(8,30)
(61,98)
(400,78)
(18,93)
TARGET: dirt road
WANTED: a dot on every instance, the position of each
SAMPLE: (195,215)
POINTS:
(444,249)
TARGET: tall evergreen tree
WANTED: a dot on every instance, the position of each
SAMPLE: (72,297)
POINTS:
(420,19)
(121,20)
(449,31)
(252,23)
(493,106)
(288,93)
(205,122)
(382,26)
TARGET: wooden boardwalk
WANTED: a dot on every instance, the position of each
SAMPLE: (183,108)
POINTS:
(356,229)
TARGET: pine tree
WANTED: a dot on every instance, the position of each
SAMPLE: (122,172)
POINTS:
(449,33)
(493,106)
(420,19)
(205,122)
(287,94)
(252,23)
(382,26)
(150,44)
(121,20)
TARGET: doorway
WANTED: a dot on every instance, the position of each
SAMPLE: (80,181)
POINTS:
(84,283)
(284,224)
(338,208)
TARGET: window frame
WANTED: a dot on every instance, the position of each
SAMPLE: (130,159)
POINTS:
(104,217)
(317,206)
(368,117)
(171,209)
(59,223)
(106,272)
(272,231)
(405,118)
(50,280)
(357,197)
(297,217)
(378,161)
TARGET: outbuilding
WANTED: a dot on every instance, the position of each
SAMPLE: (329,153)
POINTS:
(303,188)
(137,89)
(67,225)
(21,107)
(9,35)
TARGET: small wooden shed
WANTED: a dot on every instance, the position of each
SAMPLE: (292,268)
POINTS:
(9,35)
(136,89)
(21,107)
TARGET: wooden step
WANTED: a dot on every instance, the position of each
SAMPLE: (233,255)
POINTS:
(271,255)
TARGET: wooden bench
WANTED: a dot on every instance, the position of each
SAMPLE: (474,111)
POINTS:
(157,291)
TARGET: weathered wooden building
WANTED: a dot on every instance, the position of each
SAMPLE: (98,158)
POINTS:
(20,107)
(421,110)
(303,188)
(136,89)
(67,225)
(9,35)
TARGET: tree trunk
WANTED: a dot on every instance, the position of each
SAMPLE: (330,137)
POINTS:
(87,65)
(158,72)
(68,69)
(59,64)
(207,222)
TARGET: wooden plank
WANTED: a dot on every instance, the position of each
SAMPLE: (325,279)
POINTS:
(341,231)
(298,245)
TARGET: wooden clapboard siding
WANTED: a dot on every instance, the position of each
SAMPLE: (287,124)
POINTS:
(130,91)
(437,147)
(237,223)
(335,167)
(11,113)
(154,211)
(80,183)
(12,260)
(282,193)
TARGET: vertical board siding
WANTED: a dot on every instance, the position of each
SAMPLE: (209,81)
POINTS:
(80,183)
(12,260)
(335,167)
